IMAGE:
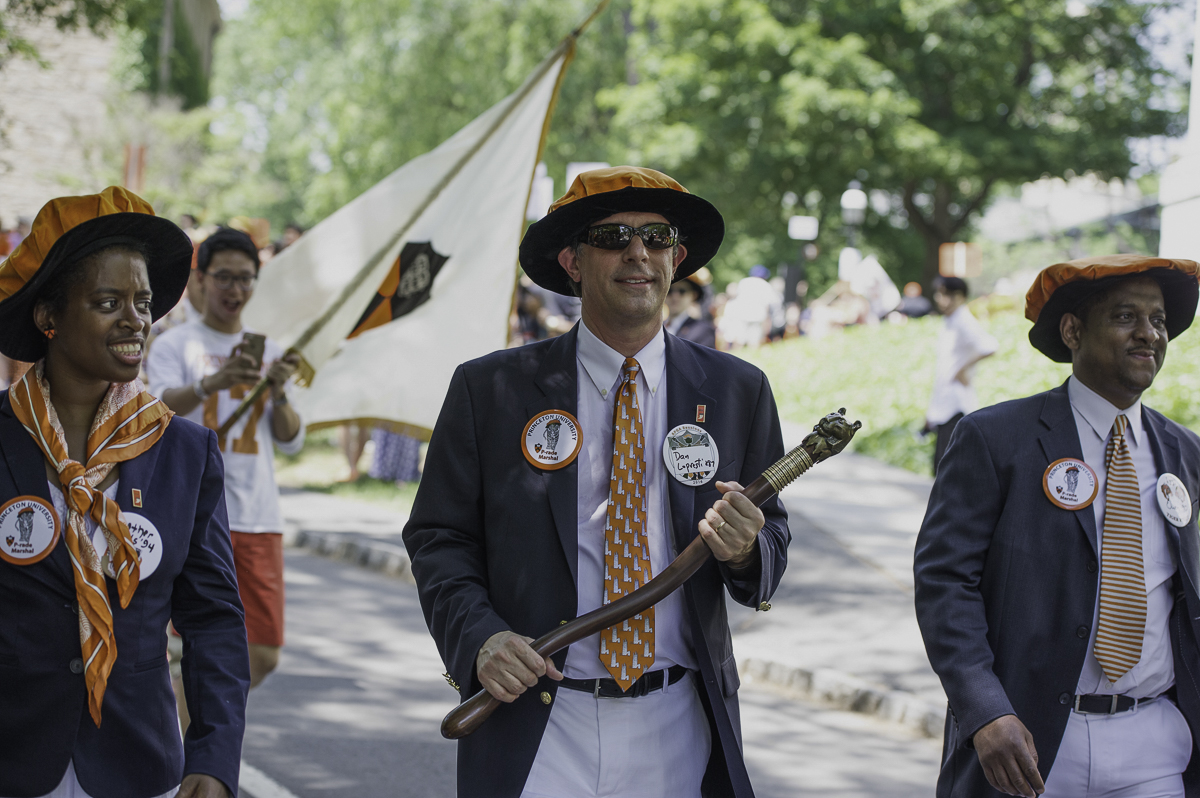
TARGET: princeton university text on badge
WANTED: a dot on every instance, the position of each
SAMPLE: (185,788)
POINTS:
(29,529)
(1173,500)
(551,440)
(690,454)
(1070,484)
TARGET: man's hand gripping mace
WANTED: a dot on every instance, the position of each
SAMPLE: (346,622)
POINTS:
(828,437)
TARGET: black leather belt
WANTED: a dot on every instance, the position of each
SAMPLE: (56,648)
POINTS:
(1107,704)
(609,688)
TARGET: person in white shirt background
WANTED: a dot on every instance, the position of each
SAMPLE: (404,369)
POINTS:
(962,343)
(200,372)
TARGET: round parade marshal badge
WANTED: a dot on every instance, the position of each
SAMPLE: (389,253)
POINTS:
(551,440)
(29,530)
(1070,484)
(690,454)
(1173,500)
(146,540)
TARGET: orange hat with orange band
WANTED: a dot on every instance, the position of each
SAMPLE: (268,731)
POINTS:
(68,229)
(1063,287)
(599,193)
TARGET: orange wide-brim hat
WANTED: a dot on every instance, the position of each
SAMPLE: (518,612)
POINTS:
(599,193)
(68,229)
(1063,287)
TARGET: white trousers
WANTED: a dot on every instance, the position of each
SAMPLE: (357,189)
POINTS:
(69,787)
(1137,754)
(654,746)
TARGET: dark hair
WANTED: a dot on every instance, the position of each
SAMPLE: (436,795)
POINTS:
(226,239)
(58,290)
(951,285)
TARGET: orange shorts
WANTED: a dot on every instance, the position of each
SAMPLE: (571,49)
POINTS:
(258,558)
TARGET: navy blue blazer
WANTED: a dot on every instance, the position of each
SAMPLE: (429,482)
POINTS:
(136,752)
(1006,581)
(494,541)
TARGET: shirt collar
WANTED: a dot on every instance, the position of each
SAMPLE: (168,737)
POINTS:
(1100,414)
(603,364)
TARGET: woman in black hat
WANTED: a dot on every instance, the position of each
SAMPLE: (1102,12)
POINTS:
(112,523)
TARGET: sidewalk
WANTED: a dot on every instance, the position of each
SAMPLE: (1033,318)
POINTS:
(841,628)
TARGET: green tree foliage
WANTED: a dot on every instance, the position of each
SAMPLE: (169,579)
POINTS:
(930,103)
(67,15)
(336,95)
(187,81)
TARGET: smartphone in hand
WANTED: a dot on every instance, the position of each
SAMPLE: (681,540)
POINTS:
(254,345)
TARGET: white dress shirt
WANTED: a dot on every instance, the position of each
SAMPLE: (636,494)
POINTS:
(599,374)
(961,340)
(1155,672)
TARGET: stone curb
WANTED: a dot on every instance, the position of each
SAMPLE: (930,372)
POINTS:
(847,692)
(373,555)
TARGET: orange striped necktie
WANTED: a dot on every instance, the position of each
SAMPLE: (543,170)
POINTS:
(627,650)
(1122,622)
(128,422)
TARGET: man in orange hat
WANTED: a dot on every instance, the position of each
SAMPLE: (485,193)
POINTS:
(561,476)
(1056,588)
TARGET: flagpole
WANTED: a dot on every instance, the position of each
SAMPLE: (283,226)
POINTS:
(567,45)
(512,303)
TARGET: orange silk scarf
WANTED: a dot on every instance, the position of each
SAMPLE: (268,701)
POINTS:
(128,422)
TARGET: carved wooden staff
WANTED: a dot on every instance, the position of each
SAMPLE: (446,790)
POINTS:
(828,438)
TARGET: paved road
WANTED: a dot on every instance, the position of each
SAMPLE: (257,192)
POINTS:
(355,707)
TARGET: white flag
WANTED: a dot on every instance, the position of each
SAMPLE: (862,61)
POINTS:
(440,238)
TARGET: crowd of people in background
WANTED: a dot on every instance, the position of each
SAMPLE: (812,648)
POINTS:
(750,312)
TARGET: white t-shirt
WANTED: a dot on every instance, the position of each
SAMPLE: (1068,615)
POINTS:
(962,340)
(184,354)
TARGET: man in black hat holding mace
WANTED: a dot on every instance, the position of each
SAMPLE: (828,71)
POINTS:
(517,529)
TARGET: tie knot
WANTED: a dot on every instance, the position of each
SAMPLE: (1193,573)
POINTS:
(1120,425)
(631,368)
(72,470)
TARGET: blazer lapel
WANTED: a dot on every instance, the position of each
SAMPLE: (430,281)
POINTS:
(27,466)
(556,378)
(136,474)
(1061,439)
(1165,447)
(685,376)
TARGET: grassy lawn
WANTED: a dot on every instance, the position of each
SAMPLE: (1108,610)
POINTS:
(321,467)
(883,376)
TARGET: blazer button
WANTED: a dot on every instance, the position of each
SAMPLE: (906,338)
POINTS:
(1064,699)
(545,697)
(764,607)
(1082,632)
(1092,566)
(77,665)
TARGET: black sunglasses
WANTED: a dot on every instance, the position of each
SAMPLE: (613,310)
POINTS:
(656,235)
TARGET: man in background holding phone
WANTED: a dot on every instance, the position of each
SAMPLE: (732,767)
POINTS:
(202,370)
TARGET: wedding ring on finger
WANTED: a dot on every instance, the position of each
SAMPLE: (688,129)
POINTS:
(717,528)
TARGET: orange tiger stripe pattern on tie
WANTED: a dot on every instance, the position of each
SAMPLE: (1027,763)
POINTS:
(627,651)
(128,422)
(1122,622)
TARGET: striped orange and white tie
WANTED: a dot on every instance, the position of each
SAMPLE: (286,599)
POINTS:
(627,649)
(1122,574)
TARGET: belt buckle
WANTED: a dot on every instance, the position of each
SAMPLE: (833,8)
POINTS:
(595,688)
(1112,708)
